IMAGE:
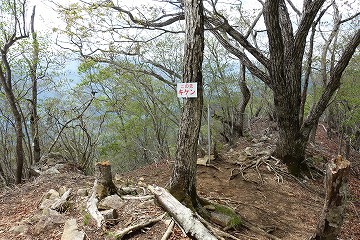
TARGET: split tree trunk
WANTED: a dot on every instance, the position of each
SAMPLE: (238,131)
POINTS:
(332,216)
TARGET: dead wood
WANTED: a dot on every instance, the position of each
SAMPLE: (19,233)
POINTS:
(183,215)
(168,230)
(105,185)
(333,212)
(130,197)
(121,233)
(59,205)
(91,207)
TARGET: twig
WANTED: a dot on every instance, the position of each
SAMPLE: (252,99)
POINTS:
(121,233)
(168,230)
(130,197)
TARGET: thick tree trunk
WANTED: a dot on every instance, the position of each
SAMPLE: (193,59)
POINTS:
(105,185)
(333,213)
(291,143)
(183,180)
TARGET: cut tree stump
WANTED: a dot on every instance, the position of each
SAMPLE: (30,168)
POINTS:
(183,215)
(333,212)
(105,185)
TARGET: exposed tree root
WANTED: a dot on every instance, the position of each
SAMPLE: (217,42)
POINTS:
(198,227)
(183,215)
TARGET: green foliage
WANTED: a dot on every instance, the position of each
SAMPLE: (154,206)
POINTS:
(86,218)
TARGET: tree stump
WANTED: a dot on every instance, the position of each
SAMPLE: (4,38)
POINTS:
(105,185)
(332,216)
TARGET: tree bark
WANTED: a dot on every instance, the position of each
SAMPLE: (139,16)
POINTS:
(333,213)
(105,186)
(245,92)
(6,81)
(34,125)
(183,180)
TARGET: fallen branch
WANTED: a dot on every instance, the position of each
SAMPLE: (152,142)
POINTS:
(121,233)
(168,230)
(91,207)
(130,197)
(183,215)
(59,205)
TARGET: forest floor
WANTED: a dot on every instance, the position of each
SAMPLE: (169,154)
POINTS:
(263,194)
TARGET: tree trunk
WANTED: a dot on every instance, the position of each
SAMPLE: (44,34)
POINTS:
(245,100)
(291,143)
(105,185)
(183,180)
(333,213)
(34,119)
(19,148)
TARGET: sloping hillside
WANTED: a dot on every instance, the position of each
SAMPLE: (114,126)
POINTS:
(243,177)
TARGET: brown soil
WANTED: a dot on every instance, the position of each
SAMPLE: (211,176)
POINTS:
(288,208)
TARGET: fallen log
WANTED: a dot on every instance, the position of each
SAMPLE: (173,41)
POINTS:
(91,207)
(183,215)
(333,212)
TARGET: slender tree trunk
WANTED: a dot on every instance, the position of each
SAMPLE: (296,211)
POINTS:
(33,74)
(245,100)
(183,180)
(6,83)
(19,146)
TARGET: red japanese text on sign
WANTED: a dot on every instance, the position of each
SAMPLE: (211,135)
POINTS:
(186,90)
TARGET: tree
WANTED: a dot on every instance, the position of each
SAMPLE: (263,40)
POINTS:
(278,62)
(183,180)
(13,31)
(34,119)
(284,72)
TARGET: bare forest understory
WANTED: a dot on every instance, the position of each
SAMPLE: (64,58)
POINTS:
(243,177)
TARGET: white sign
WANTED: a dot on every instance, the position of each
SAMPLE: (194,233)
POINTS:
(186,90)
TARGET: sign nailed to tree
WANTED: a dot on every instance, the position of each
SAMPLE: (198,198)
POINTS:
(186,90)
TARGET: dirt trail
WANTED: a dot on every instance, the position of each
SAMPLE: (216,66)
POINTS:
(277,203)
